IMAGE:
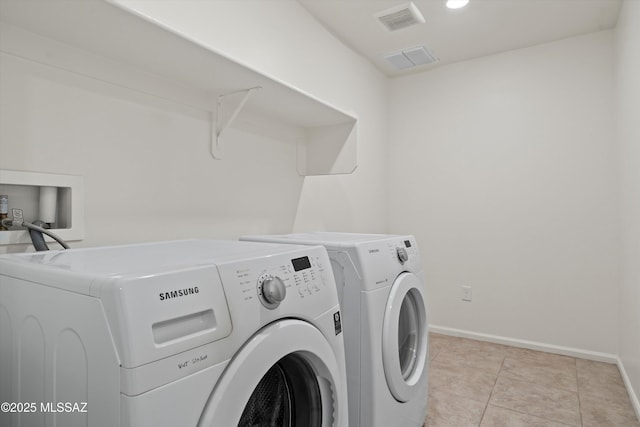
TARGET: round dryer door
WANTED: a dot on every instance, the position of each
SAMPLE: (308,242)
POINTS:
(286,376)
(404,337)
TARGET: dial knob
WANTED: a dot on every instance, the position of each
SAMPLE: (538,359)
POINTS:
(271,291)
(403,256)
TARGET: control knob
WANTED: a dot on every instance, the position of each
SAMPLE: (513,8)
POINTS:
(271,291)
(403,256)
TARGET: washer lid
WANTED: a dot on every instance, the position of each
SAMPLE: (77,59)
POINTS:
(286,354)
(404,338)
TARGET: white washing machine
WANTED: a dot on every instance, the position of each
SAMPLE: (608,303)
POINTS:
(189,333)
(381,288)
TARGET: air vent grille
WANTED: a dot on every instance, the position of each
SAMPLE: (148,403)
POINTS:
(411,57)
(399,17)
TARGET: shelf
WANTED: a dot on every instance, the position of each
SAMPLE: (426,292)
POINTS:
(199,75)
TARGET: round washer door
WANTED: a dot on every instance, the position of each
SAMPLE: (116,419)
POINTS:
(404,337)
(285,375)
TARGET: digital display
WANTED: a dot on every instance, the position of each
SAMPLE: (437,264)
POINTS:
(301,263)
(407,243)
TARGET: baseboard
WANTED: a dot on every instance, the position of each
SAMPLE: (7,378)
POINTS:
(630,391)
(532,345)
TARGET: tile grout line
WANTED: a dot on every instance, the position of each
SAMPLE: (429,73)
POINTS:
(559,387)
(527,413)
(431,358)
(534,416)
(492,389)
(575,360)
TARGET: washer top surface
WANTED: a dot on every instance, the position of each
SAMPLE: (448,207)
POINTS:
(327,238)
(113,261)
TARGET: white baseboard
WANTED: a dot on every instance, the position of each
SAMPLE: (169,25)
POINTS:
(630,391)
(532,345)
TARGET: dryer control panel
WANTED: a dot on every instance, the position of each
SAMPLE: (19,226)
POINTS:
(402,250)
(381,261)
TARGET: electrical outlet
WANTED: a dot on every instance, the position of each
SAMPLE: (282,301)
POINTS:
(466,293)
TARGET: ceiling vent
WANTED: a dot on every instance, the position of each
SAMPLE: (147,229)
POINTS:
(409,58)
(398,17)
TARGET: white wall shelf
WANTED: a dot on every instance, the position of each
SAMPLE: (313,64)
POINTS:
(23,191)
(50,32)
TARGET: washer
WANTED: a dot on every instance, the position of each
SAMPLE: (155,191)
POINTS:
(187,333)
(382,294)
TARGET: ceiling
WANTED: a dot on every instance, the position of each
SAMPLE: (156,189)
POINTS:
(483,27)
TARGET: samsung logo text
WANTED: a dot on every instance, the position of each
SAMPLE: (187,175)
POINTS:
(178,293)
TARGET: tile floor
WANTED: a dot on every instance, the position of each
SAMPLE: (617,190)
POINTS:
(475,383)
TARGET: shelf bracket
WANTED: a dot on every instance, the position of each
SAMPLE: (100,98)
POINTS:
(221,125)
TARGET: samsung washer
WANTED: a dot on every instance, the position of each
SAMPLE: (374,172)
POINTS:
(189,333)
(381,288)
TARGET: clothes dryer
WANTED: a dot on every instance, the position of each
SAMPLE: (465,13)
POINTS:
(380,283)
(189,333)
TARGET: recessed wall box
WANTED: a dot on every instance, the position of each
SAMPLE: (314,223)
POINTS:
(23,190)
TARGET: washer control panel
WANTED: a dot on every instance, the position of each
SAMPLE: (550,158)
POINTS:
(280,280)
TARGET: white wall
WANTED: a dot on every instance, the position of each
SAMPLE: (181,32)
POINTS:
(148,174)
(504,167)
(281,39)
(628,107)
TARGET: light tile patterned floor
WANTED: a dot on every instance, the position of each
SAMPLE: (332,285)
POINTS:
(479,384)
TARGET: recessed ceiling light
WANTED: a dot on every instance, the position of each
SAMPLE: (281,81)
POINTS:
(456,4)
